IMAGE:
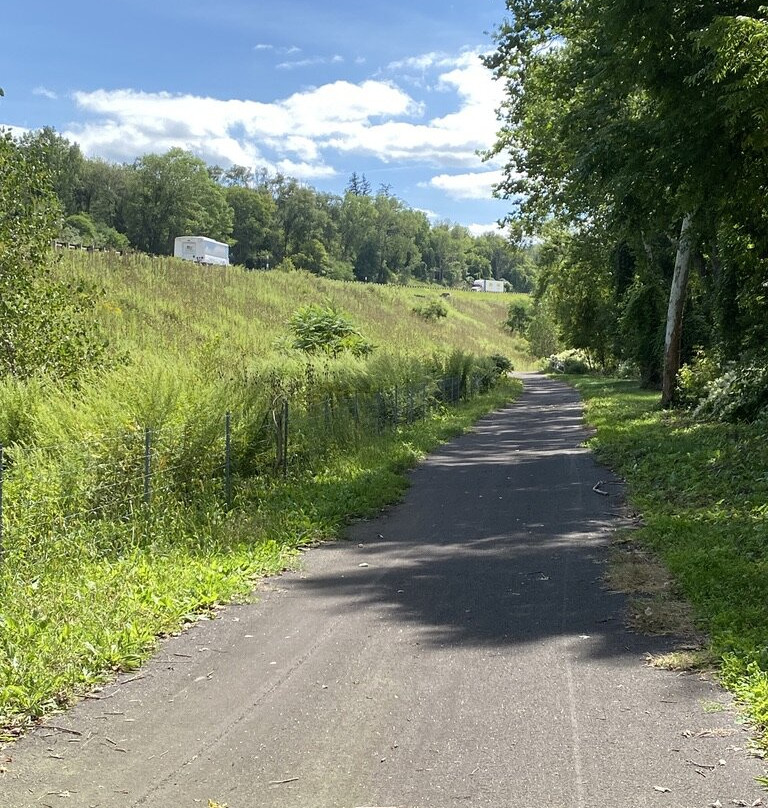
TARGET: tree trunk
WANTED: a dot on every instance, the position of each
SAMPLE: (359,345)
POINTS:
(675,312)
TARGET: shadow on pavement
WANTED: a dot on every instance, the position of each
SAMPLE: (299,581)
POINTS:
(500,540)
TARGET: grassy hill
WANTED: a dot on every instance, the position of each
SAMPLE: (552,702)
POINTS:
(176,308)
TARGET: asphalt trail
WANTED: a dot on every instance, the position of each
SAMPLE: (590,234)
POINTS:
(457,651)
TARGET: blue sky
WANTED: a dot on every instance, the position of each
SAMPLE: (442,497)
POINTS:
(316,90)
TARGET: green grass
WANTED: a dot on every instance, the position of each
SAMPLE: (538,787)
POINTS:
(702,490)
(84,599)
(92,575)
(226,314)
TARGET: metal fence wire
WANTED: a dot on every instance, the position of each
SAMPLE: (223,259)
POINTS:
(47,491)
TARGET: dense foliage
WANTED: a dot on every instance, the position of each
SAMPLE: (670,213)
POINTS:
(269,221)
(43,325)
(635,139)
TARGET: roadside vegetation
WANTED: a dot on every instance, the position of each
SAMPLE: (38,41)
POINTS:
(100,558)
(701,491)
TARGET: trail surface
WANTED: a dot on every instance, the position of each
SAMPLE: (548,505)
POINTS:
(457,651)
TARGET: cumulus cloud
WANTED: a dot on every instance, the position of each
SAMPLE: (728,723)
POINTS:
(302,133)
(472,185)
(15,131)
(481,229)
(294,130)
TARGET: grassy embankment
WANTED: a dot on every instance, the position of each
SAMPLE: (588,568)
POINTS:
(91,574)
(702,492)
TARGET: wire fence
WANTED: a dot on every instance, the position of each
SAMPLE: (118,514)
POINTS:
(53,495)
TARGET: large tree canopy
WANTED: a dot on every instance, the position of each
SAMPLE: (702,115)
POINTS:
(173,195)
(641,118)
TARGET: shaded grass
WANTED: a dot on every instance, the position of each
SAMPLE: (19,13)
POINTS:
(703,492)
(70,620)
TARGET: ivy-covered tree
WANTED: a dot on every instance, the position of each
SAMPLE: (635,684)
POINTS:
(623,114)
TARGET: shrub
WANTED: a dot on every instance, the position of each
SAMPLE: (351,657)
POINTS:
(322,329)
(502,363)
(739,394)
(695,378)
(433,310)
(570,362)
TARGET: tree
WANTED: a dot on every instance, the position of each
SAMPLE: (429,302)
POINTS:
(358,185)
(173,195)
(65,164)
(43,323)
(614,114)
(104,192)
(253,228)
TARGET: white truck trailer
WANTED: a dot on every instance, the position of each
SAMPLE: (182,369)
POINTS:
(201,250)
(485,285)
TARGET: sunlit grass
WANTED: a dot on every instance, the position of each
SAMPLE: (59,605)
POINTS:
(92,572)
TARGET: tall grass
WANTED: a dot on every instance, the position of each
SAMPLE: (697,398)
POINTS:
(101,558)
(215,314)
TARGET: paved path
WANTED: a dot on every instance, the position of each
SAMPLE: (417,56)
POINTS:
(458,651)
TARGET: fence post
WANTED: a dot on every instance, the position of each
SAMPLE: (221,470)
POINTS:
(228,459)
(286,433)
(396,416)
(2,466)
(147,466)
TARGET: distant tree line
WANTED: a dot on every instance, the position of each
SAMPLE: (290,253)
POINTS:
(270,221)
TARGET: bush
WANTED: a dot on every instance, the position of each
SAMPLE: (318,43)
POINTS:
(322,329)
(739,394)
(433,310)
(569,362)
(695,378)
(502,363)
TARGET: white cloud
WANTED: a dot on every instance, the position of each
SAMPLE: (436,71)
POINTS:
(16,131)
(45,93)
(423,62)
(472,185)
(480,229)
(374,118)
(319,60)
(130,123)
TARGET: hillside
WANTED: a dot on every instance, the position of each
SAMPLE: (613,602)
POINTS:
(204,452)
(171,307)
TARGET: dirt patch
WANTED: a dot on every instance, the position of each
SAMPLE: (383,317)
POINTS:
(655,606)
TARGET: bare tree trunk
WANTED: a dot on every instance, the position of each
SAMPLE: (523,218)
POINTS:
(675,312)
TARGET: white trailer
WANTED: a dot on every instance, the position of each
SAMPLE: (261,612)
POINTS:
(201,250)
(485,285)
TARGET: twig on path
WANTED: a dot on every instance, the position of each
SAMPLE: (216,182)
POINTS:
(62,729)
(700,765)
(596,488)
(132,679)
(283,782)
